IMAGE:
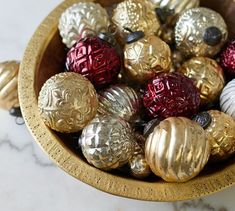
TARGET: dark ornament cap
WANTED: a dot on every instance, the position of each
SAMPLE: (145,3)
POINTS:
(150,127)
(107,37)
(212,36)
(204,119)
(134,36)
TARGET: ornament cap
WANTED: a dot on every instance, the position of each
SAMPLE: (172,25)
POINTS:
(204,119)
(107,37)
(212,36)
(134,36)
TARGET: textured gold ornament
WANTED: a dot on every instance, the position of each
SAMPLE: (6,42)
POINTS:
(207,75)
(200,32)
(138,165)
(147,57)
(136,15)
(221,134)
(177,150)
(81,20)
(67,102)
(107,142)
(9,84)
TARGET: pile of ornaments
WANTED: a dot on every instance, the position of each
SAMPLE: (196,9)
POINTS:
(143,86)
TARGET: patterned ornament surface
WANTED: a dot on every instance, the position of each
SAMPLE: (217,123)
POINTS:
(207,76)
(169,95)
(227,99)
(147,57)
(95,59)
(107,142)
(121,101)
(9,84)
(177,150)
(67,102)
(136,15)
(200,32)
(221,135)
(81,20)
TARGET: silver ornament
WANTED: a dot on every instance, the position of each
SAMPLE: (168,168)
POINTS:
(200,32)
(81,20)
(227,99)
(121,101)
(107,142)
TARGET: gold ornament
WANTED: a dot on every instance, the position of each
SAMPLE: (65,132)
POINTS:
(207,75)
(147,57)
(9,84)
(200,32)
(136,15)
(67,102)
(221,134)
(177,150)
(138,165)
(107,142)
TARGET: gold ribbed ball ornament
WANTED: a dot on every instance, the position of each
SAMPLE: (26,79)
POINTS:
(9,84)
(107,142)
(207,75)
(136,15)
(67,102)
(200,32)
(221,134)
(81,20)
(146,57)
(177,150)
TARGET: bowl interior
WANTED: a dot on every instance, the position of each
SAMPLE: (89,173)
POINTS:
(45,57)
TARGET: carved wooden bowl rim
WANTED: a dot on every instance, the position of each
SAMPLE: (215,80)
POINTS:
(72,164)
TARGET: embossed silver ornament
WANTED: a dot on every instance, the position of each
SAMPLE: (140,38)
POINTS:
(177,150)
(200,32)
(81,20)
(227,99)
(67,102)
(107,142)
(121,101)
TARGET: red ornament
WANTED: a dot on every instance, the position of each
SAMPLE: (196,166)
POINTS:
(227,59)
(169,95)
(95,59)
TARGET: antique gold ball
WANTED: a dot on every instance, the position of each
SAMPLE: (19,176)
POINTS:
(221,134)
(146,57)
(207,75)
(200,32)
(67,102)
(177,150)
(136,15)
(9,84)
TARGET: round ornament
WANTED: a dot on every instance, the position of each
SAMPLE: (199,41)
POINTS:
(107,142)
(146,57)
(221,135)
(227,99)
(9,84)
(200,32)
(227,59)
(136,15)
(81,20)
(169,95)
(121,101)
(95,59)
(177,150)
(67,102)
(207,75)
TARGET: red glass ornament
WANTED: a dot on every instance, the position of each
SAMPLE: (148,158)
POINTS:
(169,95)
(95,59)
(227,59)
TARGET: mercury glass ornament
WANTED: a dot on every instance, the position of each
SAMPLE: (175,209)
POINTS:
(221,135)
(177,150)
(207,75)
(200,32)
(81,20)
(9,84)
(121,101)
(67,102)
(107,142)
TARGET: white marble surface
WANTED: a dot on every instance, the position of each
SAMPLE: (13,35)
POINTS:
(28,179)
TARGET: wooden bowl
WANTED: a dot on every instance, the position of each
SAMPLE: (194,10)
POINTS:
(44,57)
